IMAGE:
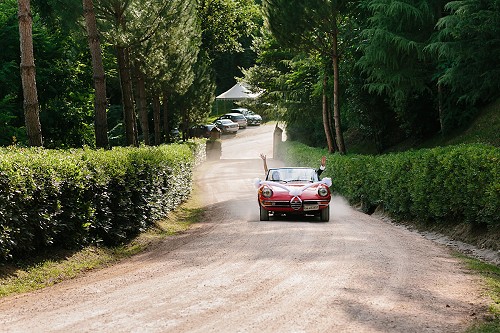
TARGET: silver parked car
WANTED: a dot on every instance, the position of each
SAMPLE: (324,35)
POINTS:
(252,117)
(237,118)
(226,126)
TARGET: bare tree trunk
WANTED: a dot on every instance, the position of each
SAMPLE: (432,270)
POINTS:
(156,119)
(127,95)
(336,96)
(28,75)
(166,127)
(142,106)
(326,121)
(100,103)
(440,108)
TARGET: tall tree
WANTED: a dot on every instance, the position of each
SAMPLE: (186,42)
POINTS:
(196,102)
(166,59)
(394,60)
(227,30)
(468,47)
(28,75)
(100,102)
(312,25)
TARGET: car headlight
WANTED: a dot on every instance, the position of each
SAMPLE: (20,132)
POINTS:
(267,192)
(322,191)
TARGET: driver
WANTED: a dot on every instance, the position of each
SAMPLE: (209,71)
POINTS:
(318,171)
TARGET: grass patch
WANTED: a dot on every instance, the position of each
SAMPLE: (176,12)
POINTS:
(483,129)
(491,276)
(49,269)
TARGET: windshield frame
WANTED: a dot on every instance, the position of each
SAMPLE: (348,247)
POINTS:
(290,175)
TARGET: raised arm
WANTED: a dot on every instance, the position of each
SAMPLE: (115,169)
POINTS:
(322,166)
(265,162)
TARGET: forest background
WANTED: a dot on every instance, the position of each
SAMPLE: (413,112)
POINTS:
(366,76)
(377,72)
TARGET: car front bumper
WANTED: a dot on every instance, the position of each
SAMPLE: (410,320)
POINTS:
(304,207)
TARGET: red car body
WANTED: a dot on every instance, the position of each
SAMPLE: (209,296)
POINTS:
(294,191)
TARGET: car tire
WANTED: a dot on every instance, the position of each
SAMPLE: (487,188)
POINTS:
(324,214)
(264,214)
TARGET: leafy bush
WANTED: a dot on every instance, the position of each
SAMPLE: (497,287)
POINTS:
(73,198)
(455,183)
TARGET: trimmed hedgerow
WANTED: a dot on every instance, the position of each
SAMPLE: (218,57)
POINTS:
(455,183)
(78,197)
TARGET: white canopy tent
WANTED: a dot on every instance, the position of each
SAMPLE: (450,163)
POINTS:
(238,93)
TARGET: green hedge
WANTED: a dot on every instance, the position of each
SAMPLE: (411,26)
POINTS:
(73,198)
(455,183)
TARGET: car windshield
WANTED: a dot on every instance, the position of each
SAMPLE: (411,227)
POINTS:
(288,175)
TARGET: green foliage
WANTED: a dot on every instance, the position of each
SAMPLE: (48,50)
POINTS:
(11,121)
(394,61)
(228,28)
(468,46)
(449,184)
(290,80)
(73,198)
(196,102)
(224,23)
(63,81)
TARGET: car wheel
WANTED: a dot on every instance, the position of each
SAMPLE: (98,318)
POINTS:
(324,214)
(264,214)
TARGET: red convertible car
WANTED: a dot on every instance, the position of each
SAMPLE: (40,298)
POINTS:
(294,191)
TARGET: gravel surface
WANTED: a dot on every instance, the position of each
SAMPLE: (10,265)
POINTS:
(233,273)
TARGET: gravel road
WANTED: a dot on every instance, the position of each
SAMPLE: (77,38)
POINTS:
(233,273)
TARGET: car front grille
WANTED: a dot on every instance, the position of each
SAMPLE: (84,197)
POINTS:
(296,203)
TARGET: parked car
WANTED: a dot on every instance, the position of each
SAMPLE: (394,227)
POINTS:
(175,135)
(201,131)
(294,191)
(226,126)
(237,118)
(252,117)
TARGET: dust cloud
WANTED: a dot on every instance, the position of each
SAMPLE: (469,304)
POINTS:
(339,207)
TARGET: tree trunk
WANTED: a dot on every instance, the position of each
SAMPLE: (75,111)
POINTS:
(326,121)
(156,119)
(440,91)
(166,127)
(185,124)
(127,95)
(336,96)
(100,102)
(28,75)
(142,106)
(440,108)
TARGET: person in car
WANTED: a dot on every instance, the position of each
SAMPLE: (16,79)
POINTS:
(318,171)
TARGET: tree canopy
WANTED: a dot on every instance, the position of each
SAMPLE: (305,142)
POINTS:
(383,71)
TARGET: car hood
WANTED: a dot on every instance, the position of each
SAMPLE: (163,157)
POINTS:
(293,189)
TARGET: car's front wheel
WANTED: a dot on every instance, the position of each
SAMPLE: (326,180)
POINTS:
(264,214)
(324,214)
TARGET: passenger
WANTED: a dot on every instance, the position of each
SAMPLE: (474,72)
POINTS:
(275,175)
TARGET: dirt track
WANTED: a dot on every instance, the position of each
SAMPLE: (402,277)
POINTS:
(233,273)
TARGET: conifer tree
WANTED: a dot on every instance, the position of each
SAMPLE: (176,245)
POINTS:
(312,26)
(395,62)
(100,102)
(468,47)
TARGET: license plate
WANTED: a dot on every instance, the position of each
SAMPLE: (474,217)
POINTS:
(311,207)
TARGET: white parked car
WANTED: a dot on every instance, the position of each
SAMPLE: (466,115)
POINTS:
(252,117)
